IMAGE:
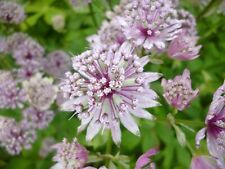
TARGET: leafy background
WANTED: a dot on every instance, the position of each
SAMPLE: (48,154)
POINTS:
(208,73)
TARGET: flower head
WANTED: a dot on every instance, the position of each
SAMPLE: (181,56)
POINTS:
(37,119)
(184,47)
(150,23)
(40,91)
(204,162)
(178,92)
(110,33)
(70,155)
(215,126)
(144,159)
(11,96)
(109,86)
(25,50)
(11,12)
(57,63)
(15,137)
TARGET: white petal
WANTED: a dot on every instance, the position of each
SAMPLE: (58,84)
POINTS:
(116,132)
(141,113)
(129,123)
(92,130)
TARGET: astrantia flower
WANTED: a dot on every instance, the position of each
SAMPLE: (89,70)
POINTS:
(109,86)
(184,47)
(11,12)
(149,24)
(25,50)
(144,160)
(3,45)
(15,137)
(27,71)
(110,33)
(70,155)
(40,91)
(57,63)
(11,96)
(178,92)
(215,126)
(204,162)
(35,118)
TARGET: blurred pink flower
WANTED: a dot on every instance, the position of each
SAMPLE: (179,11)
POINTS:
(11,12)
(144,160)
(70,155)
(11,96)
(15,137)
(184,47)
(108,87)
(37,119)
(178,92)
(57,63)
(204,162)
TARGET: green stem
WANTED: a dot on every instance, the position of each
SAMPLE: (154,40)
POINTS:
(190,148)
(93,15)
(108,148)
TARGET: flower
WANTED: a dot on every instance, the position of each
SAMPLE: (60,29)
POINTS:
(144,159)
(178,92)
(70,155)
(57,63)
(109,34)
(15,137)
(46,143)
(58,22)
(184,47)
(109,86)
(215,126)
(40,91)
(11,96)
(11,12)
(25,50)
(204,162)
(37,119)
(151,23)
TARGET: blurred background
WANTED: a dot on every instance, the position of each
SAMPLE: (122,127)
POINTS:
(58,25)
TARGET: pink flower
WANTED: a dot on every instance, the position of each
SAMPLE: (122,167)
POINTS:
(15,137)
(204,162)
(184,47)
(144,160)
(215,126)
(178,92)
(11,12)
(70,155)
(149,23)
(57,63)
(108,87)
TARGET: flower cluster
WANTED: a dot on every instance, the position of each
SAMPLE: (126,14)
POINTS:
(15,136)
(11,96)
(11,12)
(57,63)
(108,87)
(178,92)
(40,91)
(70,155)
(151,25)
